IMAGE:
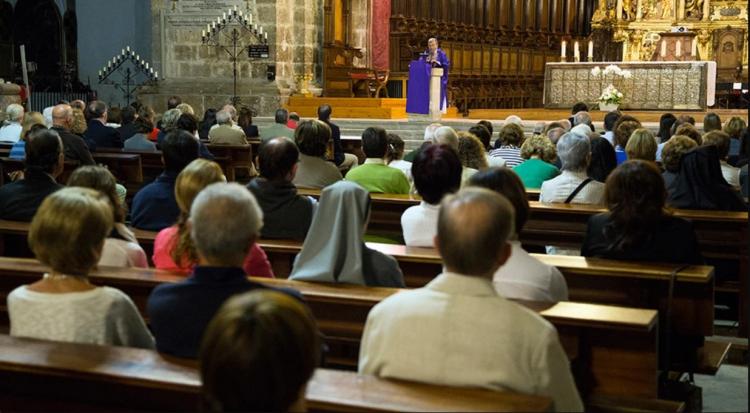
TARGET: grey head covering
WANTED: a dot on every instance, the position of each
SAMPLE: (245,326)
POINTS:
(333,248)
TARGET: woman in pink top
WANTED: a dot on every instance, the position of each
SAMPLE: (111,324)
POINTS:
(173,248)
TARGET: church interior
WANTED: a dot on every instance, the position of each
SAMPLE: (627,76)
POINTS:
(374,205)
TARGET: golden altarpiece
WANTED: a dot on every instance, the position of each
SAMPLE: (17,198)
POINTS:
(676,50)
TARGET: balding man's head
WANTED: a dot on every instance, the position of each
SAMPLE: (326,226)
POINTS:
(62,115)
(278,159)
(473,231)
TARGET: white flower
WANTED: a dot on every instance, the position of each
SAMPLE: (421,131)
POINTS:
(626,74)
(596,71)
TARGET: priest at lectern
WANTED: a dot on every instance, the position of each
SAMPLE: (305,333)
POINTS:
(437,58)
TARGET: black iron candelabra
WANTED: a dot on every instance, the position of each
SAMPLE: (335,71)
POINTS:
(231,32)
(133,75)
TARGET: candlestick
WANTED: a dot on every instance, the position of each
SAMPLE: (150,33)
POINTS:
(678,48)
(663,48)
(563,47)
(591,50)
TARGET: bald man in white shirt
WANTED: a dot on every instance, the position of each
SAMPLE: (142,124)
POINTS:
(457,330)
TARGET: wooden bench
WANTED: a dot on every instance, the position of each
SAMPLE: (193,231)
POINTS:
(126,167)
(238,156)
(614,349)
(722,236)
(45,375)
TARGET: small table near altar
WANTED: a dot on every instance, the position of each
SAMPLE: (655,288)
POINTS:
(653,85)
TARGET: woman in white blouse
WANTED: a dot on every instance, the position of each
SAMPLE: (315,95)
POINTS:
(67,234)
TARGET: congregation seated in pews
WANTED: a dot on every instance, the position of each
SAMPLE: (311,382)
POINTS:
(475,214)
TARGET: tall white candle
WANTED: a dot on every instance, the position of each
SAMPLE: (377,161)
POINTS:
(563,47)
(678,48)
(591,49)
(250,18)
(203,34)
(694,48)
(576,50)
(663,48)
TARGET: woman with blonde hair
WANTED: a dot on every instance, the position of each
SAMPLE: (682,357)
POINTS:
(67,234)
(173,247)
(641,145)
(734,128)
(31,119)
(471,151)
(121,248)
(540,155)
(78,126)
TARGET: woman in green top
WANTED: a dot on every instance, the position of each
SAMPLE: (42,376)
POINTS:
(539,153)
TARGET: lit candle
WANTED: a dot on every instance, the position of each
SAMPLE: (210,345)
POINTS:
(151,70)
(678,48)
(694,48)
(203,34)
(591,49)
(147,66)
(128,49)
(156,75)
(265,35)
(563,48)
(576,50)
(241,13)
(123,52)
(223,16)
(663,48)
(250,18)
(100,73)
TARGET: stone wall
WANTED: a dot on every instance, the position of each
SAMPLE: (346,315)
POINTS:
(9,94)
(202,75)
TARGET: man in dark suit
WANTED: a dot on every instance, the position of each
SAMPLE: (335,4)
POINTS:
(344,161)
(75,148)
(98,133)
(226,223)
(20,200)
(127,128)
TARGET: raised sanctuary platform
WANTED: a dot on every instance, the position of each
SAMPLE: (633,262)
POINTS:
(356,108)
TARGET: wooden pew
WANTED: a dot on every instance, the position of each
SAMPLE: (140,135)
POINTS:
(126,167)
(151,162)
(46,375)
(238,156)
(614,349)
(722,236)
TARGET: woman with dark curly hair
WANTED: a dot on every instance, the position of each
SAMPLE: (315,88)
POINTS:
(637,226)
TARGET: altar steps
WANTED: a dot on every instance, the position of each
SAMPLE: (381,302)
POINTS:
(355,108)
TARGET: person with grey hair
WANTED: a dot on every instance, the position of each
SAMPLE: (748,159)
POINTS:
(11,130)
(168,123)
(225,222)
(573,185)
(583,118)
(429,137)
(97,132)
(412,335)
(224,133)
(279,127)
(445,135)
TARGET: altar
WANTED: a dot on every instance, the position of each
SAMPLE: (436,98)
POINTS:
(687,85)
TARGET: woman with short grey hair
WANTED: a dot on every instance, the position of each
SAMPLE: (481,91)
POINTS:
(573,185)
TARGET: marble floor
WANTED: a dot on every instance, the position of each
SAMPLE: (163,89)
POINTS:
(725,392)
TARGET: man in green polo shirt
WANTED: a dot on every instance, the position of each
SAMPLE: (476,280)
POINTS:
(374,175)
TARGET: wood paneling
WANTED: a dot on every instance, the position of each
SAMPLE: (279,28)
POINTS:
(497,48)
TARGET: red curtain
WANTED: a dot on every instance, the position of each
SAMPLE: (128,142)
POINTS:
(380,33)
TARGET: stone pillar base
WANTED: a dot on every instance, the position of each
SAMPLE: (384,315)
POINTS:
(263,96)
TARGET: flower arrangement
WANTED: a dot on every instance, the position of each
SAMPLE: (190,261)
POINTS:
(611,70)
(611,96)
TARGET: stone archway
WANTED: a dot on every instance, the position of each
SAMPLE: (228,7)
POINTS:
(38,26)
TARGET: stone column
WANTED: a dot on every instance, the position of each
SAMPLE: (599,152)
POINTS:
(706,9)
